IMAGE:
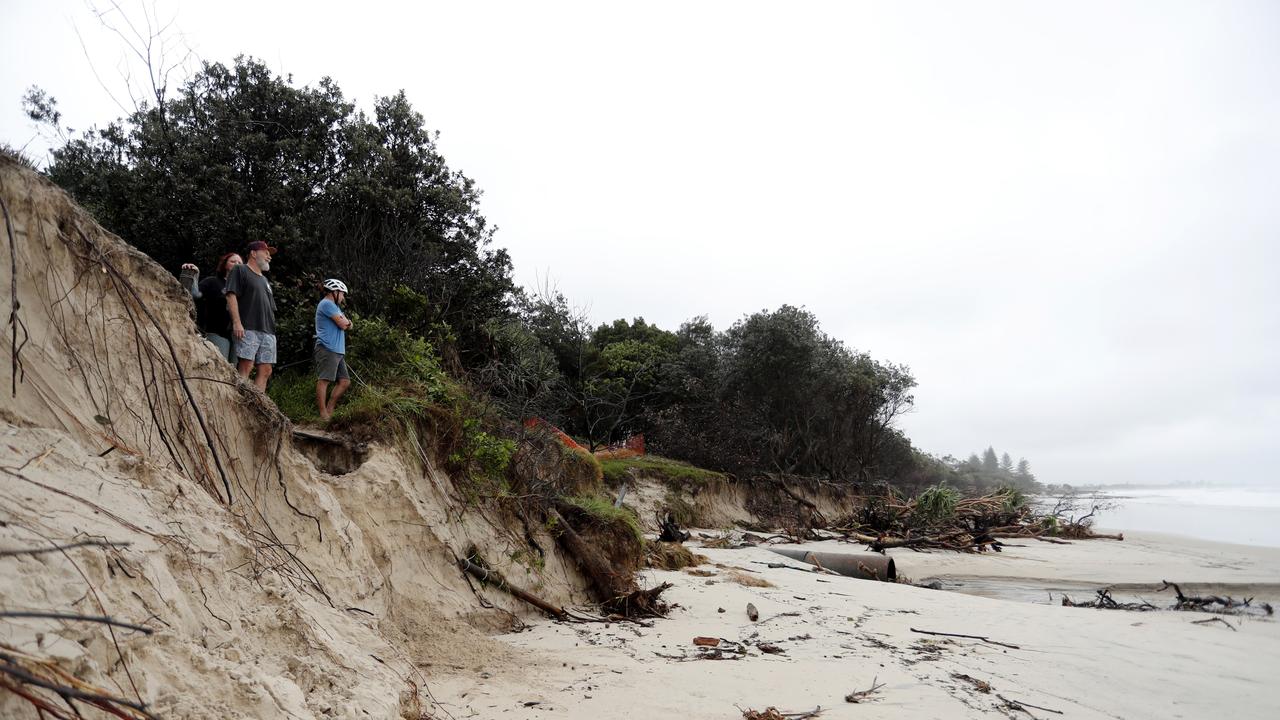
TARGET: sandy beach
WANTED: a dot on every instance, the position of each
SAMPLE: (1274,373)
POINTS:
(839,635)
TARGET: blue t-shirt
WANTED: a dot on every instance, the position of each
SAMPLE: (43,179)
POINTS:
(329,334)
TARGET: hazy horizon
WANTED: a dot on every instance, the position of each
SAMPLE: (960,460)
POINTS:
(1062,218)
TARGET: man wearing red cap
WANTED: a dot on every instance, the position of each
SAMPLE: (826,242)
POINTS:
(253,314)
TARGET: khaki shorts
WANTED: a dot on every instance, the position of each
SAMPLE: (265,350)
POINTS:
(329,364)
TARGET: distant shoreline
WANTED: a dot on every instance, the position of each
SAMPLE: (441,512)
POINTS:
(1228,515)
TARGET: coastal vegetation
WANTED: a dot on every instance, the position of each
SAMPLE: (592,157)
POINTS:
(444,341)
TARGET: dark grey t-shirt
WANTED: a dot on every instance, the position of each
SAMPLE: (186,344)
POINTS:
(254,296)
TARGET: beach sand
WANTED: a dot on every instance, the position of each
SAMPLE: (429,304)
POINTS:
(839,635)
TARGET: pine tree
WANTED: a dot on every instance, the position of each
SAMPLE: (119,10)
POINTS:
(1023,473)
(1006,463)
(989,462)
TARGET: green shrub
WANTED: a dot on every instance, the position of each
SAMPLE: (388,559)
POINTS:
(395,377)
(379,353)
(484,457)
(1014,501)
(937,503)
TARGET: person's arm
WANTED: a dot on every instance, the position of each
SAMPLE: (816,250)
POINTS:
(341,321)
(233,307)
(190,279)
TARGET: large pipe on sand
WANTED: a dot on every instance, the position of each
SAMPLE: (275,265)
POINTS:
(864,566)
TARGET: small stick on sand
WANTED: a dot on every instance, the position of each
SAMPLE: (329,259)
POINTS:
(858,696)
(1211,620)
(1019,705)
(970,637)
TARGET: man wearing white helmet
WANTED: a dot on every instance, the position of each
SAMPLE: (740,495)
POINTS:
(331,347)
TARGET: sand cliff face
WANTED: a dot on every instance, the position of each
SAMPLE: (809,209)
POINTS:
(304,595)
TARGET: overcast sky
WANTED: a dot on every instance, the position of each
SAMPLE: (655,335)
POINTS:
(1063,217)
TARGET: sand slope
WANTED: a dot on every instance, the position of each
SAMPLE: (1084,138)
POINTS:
(307,595)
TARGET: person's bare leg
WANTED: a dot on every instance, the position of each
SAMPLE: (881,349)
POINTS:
(264,374)
(322,389)
(338,390)
(244,367)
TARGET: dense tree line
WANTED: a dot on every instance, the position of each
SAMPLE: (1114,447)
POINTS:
(239,154)
(772,393)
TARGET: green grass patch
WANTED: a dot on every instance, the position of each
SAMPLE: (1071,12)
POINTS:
(294,392)
(673,472)
(601,510)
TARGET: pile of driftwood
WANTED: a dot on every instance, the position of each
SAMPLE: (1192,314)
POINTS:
(1208,603)
(943,520)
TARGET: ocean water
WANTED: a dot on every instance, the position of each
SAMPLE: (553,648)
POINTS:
(1245,516)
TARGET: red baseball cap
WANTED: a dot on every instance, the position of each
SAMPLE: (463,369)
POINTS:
(259,245)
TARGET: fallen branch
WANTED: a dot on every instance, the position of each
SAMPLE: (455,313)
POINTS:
(858,696)
(12,667)
(772,713)
(42,705)
(1055,541)
(1203,604)
(969,637)
(1106,602)
(495,578)
(1216,619)
(1019,705)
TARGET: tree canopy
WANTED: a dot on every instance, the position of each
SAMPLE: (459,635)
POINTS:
(240,154)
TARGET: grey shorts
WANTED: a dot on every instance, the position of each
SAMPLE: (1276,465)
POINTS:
(257,346)
(330,365)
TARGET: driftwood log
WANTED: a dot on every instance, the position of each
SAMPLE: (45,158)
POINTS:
(495,578)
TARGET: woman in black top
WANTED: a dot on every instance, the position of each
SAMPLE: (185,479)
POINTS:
(211,306)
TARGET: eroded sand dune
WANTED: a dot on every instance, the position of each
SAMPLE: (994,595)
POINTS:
(307,595)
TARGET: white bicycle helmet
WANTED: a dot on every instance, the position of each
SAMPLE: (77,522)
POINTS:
(335,285)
